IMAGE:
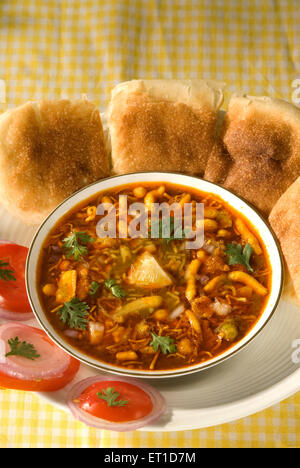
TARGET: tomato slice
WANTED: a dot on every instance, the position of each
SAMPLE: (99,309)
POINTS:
(13,295)
(52,370)
(138,405)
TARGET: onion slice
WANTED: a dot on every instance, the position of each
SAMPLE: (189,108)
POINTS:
(176,312)
(15,316)
(52,361)
(158,401)
(221,308)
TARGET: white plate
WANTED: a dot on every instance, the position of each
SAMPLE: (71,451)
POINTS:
(257,377)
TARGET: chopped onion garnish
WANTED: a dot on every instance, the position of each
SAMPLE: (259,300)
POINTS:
(204,279)
(176,312)
(220,308)
(71,333)
(15,316)
(209,248)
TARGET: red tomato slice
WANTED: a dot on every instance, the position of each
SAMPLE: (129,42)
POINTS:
(139,403)
(13,295)
(52,370)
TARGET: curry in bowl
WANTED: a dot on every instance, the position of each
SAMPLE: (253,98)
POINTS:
(151,304)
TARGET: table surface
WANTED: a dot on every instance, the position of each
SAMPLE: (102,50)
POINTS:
(67,48)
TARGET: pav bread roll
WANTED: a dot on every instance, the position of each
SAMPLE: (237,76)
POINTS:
(163,125)
(285,220)
(48,150)
(258,155)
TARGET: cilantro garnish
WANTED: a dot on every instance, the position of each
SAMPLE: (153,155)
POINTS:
(163,224)
(5,273)
(239,255)
(165,343)
(74,313)
(110,395)
(75,244)
(22,348)
(94,286)
(115,288)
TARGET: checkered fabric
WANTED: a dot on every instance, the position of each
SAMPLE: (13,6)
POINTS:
(27,421)
(66,48)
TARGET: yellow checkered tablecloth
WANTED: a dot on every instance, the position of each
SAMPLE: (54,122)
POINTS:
(27,421)
(66,48)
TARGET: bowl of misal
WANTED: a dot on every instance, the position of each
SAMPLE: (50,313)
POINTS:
(130,294)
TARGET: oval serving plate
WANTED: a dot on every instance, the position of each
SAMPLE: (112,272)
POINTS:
(260,375)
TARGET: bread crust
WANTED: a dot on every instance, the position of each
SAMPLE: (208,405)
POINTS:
(260,141)
(163,125)
(284,219)
(48,150)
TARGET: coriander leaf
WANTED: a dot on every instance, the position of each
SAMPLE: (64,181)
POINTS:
(175,235)
(162,225)
(110,396)
(115,288)
(247,252)
(5,273)
(239,255)
(109,283)
(18,348)
(94,286)
(74,313)
(165,343)
(73,244)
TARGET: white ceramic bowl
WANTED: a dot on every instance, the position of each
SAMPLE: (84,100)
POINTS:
(183,180)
